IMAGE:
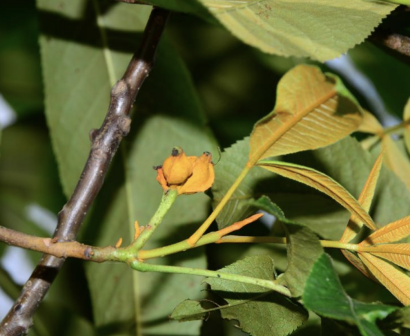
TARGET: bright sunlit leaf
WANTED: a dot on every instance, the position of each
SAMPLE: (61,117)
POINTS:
(390,233)
(365,200)
(320,29)
(397,282)
(396,161)
(398,254)
(370,124)
(312,110)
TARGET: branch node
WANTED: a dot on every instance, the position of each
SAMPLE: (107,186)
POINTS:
(124,125)
(88,253)
(93,134)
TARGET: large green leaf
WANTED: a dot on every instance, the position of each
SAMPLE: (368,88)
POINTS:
(320,29)
(79,69)
(259,312)
(346,162)
(28,177)
(20,71)
(325,295)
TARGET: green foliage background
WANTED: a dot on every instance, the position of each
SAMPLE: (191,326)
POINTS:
(58,60)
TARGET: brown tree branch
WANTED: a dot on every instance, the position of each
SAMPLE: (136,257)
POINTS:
(77,250)
(397,42)
(62,249)
(105,142)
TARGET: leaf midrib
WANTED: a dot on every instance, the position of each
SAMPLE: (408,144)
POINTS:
(284,128)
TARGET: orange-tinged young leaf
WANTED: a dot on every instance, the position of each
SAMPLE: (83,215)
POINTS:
(397,282)
(398,254)
(356,262)
(365,200)
(396,161)
(370,124)
(118,243)
(238,225)
(312,110)
(390,233)
(323,183)
(406,119)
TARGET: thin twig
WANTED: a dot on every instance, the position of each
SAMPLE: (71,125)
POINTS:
(77,250)
(105,142)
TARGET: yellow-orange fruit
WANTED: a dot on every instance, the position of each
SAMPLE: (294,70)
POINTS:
(177,168)
(202,178)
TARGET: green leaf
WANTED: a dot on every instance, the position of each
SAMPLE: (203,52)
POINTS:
(20,71)
(192,7)
(303,248)
(325,295)
(28,177)
(189,310)
(304,204)
(320,29)
(248,304)
(78,72)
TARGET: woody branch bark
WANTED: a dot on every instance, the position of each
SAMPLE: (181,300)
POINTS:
(397,42)
(105,142)
(75,249)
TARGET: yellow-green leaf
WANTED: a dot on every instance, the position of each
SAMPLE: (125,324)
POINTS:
(370,124)
(406,119)
(312,110)
(398,254)
(365,200)
(320,29)
(396,161)
(390,233)
(397,282)
(323,183)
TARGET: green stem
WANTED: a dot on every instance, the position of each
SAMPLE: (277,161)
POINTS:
(168,198)
(214,237)
(270,284)
(209,238)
